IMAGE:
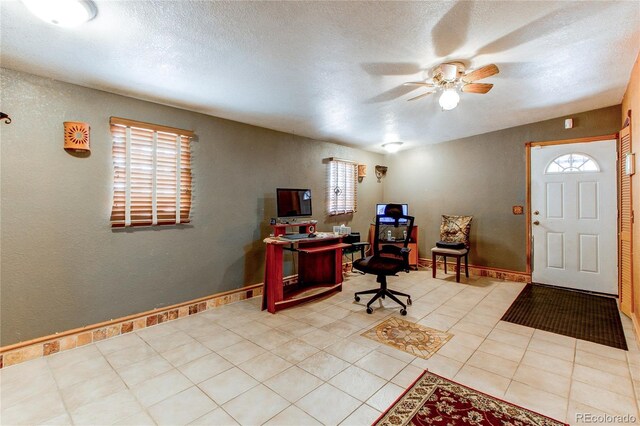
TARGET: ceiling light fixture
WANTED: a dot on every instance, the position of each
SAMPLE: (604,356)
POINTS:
(449,99)
(392,146)
(65,13)
(451,78)
(449,72)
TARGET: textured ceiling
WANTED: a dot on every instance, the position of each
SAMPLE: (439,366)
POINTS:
(334,70)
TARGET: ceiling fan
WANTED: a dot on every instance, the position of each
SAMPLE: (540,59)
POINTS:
(450,77)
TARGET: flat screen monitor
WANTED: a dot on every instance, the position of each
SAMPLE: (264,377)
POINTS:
(380,210)
(293,202)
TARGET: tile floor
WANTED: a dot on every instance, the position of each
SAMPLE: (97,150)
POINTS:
(309,365)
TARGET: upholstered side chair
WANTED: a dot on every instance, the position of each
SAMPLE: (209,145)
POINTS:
(454,241)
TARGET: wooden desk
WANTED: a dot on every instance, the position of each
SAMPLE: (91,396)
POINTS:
(319,270)
(397,233)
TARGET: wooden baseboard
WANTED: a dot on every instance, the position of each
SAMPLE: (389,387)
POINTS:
(636,328)
(62,341)
(58,342)
(482,271)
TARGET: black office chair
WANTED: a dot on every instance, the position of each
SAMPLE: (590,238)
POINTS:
(356,246)
(387,259)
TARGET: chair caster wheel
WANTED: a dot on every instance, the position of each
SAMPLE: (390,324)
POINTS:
(357,298)
(409,302)
(369,310)
(403,312)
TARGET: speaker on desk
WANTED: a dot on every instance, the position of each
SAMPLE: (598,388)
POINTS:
(311,229)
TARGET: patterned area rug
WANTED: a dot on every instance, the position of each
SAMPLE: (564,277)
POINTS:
(434,400)
(569,312)
(407,336)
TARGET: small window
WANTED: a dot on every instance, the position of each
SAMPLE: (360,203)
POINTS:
(152,174)
(573,163)
(341,187)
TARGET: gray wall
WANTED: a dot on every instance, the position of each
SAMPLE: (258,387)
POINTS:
(483,176)
(63,267)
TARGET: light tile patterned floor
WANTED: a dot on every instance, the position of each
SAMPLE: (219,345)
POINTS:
(309,365)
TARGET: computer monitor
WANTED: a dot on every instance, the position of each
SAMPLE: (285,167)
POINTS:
(380,210)
(293,202)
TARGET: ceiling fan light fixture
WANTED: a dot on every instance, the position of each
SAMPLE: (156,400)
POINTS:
(449,99)
(449,72)
(392,147)
(64,13)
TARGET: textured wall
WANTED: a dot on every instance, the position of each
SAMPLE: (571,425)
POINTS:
(63,267)
(483,176)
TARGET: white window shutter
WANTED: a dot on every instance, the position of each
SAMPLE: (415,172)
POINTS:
(152,174)
(342,179)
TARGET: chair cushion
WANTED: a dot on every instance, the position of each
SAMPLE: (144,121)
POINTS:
(454,246)
(455,229)
(379,265)
(445,251)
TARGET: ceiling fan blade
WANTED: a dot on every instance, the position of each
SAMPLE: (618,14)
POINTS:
(480,88)
(418,83)
(419,96)
(480,73)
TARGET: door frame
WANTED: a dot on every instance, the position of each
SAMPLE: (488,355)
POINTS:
(528,147)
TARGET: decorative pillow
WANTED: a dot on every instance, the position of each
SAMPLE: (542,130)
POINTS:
(455,229)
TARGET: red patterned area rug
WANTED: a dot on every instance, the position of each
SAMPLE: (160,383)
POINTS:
(434,400)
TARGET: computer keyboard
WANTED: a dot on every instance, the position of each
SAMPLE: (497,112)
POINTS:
(295,236)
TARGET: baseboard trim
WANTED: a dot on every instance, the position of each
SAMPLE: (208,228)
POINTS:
(481,271)
(70,339)
(59,342)
(635,319)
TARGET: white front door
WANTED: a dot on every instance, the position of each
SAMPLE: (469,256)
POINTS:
(574,215)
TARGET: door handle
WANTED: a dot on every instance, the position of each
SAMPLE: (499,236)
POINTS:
(536,213)
(536,222)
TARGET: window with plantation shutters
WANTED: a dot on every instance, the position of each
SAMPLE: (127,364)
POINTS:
(342,182)
(152,174)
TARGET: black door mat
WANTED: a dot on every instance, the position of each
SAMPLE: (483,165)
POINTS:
(571,313)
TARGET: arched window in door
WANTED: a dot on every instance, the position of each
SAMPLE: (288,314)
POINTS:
(573,163)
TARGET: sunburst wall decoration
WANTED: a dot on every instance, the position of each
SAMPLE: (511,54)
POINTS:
(76,137)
